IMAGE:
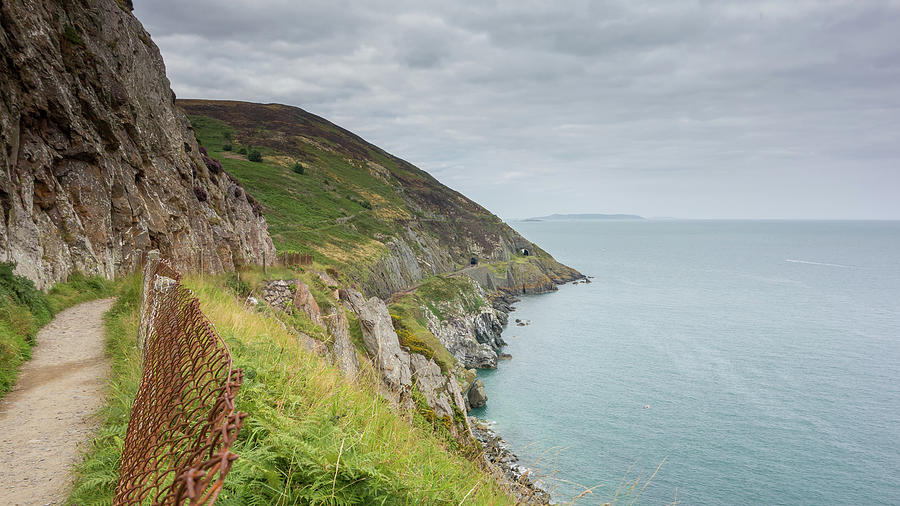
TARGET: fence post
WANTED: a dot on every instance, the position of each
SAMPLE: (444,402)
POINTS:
(149,272)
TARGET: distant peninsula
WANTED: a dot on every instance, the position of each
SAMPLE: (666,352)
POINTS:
(590,216)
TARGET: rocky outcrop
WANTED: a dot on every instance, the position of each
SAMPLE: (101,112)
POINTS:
(382,343)
(97,165)
(441,393)
(401,370)
(471,335)
(343,354)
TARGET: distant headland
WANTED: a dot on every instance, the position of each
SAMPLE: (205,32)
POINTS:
(590,216)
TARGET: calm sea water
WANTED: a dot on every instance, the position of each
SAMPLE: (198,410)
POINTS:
(768,353)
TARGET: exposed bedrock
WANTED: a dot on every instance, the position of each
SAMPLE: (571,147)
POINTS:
(97,165)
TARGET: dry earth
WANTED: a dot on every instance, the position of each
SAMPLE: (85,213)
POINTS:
(51,411)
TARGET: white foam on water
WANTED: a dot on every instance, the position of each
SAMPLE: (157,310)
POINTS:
(818,263)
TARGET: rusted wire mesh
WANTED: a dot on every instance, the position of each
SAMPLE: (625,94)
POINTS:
(183,422)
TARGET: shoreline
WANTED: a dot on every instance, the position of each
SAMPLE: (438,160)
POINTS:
(526,483)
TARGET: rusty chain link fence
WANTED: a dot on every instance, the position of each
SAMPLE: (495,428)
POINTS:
(183,421)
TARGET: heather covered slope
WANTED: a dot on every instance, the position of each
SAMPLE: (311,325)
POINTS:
(377,217)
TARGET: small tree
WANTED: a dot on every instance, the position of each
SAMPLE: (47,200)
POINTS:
(298,168)
(254,156)
(226,146)
(242,151)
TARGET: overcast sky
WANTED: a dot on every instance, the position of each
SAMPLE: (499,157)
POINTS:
(715,109)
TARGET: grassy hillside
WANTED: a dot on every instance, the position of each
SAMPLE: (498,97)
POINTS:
(326,191)
(311,437)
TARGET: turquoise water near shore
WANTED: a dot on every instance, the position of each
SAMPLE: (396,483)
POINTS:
(768,353)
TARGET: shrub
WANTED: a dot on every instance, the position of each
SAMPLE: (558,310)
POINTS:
(242,151)
(226,146)
(298,168)
(254,156)
(22,291)
(212,164)
(201,194)
(238,285)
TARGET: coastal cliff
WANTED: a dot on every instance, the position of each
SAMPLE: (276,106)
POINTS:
(97,165)
(380,219)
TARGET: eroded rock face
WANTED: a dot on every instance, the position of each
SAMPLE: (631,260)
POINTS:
(97,165)
(381,340)
(473,337)
(400,369)
(342,351)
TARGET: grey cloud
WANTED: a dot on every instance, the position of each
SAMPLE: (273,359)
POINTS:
(696,109)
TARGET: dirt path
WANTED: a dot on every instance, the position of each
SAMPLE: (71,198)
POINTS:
(50,411)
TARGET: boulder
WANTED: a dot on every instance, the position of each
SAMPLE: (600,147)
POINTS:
(477,396)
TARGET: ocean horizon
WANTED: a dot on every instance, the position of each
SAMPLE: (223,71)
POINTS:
(751,361)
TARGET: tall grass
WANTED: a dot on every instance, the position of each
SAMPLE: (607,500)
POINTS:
(311,436)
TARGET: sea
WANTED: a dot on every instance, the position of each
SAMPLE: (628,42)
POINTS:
(709,362)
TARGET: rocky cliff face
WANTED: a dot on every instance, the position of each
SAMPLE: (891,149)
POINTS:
(97,164)
(470,331)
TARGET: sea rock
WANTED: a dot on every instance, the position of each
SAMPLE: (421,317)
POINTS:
(97,164)
(477,395)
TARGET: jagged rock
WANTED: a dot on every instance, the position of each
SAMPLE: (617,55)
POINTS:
(477,396)
(488,329)
(304,301)
(97,164)
(504,465)
(381,340)
(342,351)
(432,383)
(473,337)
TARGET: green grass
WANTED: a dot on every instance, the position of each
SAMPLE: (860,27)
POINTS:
(311,436)
(333,209)
(24,310)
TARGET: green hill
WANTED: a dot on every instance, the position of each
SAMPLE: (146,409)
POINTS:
(384,222)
